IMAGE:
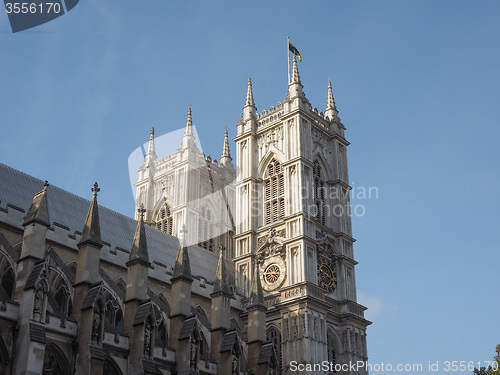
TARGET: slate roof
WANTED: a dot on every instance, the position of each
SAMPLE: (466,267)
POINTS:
(91,296)
(266,352)
(69,210)
(34,275)
(228,341)
(142,312)
(7,246)
(187,327)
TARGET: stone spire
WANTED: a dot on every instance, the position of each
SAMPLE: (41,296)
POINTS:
(151,145)
(189,122)
(226,154)
(221,283)
(249,110)
(92,230)
(39,209)
(249,101)
(295,72)
(182,269)
(188,138)
(256,293)
(331,110)
(295,87)
(139,252)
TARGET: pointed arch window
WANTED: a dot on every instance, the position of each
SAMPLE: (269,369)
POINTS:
(54,361)
(332,354)
(274,336)
(274,193)
(8,282)
(206,229)
(164,220)
(319,192)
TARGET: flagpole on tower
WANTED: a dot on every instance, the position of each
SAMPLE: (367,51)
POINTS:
(288,57)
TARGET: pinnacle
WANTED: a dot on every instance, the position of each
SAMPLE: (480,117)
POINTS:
(39,209)
(256,293)
(249,100)
(221,284)
(91,233)
(295,71)
(139,250)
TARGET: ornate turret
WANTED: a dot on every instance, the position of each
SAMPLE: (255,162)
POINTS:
(249,110)
(90,244)
(39,209)
(182,269)
(221,280)
(226,154)
(295,86)
(221,306)
(92,230)
(256,315)
(331,110)
(256,293)
(188,138)
(139,252)
(151,154)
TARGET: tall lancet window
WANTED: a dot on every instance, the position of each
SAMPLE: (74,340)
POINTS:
(164,220)
(274,192)
(332,354)
(206,229)
(319,193)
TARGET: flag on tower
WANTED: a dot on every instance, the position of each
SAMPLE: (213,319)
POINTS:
(294,50)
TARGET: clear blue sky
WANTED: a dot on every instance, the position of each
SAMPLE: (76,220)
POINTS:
(417,86)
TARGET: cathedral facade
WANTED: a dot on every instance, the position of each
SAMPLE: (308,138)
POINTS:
(244,268)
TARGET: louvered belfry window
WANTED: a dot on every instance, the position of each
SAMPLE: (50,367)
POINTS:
(319,193)
(206,229)
(274,192)
(164,221)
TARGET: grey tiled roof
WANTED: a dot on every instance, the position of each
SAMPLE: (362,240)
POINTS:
(70,210)
(266,353)
(34,275)
(7,246)
(187,328)
(142,312)
(91,297)
(228,341)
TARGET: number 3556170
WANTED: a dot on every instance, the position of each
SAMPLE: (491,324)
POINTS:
(32,8)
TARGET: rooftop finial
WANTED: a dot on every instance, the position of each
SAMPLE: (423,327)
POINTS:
(249,101)
(226,154)
(295,71)
(91,233)
(152,131)
(139,252)
(45,185)
(141,211)
(95,189)
(331,110)
(189,122)
(221,284)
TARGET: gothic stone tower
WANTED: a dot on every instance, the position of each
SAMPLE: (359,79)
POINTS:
(293,219)
(188,188)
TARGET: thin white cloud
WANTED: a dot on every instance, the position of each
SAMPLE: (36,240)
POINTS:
(376,306)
